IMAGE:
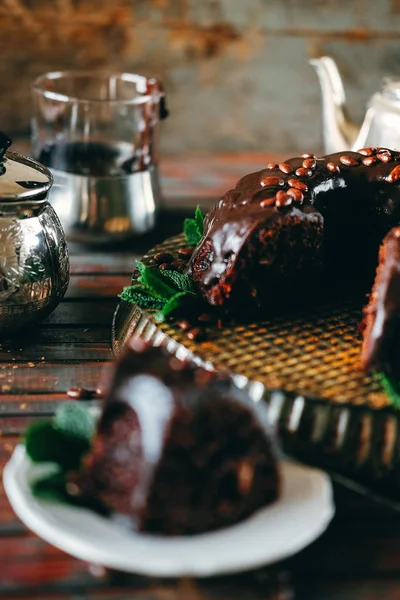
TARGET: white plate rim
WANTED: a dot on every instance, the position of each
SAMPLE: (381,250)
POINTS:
(216,553)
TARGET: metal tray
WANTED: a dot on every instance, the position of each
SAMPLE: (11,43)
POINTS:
(306,367)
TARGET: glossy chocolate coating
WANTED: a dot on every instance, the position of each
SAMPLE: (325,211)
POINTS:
(179,450)
(380,349)
(348,205)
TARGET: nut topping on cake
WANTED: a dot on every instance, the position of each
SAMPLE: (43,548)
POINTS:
(309,163)
(271,180)
(394,175)
(296,183)
(366,151)
(285,168)
(332,167)
(302,172)
(296,194)
(348,161)
(369,160)
(384,157)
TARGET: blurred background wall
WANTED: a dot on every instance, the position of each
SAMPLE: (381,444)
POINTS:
(236,71)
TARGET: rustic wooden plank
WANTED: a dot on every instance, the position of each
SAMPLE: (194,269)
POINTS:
(355,589)
(30,562)
(20,407)
(78,313)
(343,591)
(7,448)
(83,262)
(24,549)
(208,177)
(27,400)
(68,574)
(16,417)
(14,412)
(346,550)
(49,378)
(54,352)
(41,408)
(75,352)
(58,335)
(7,515)
(97,286)
(12,425)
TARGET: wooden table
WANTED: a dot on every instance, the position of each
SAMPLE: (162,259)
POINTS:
(358,558)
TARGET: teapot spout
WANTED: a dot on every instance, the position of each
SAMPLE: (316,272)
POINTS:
(340,133)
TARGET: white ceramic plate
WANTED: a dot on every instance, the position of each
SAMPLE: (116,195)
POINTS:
(280,530)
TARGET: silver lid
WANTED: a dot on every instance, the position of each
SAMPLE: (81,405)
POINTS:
(22,178)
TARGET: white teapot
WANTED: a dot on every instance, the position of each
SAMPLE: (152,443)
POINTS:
(381,126)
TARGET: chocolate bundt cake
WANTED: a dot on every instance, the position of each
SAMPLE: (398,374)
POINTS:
(288,226)
(382,315)
(178,450)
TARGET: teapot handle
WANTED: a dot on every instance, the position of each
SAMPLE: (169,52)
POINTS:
(5,143)
(365,129)
(164,112)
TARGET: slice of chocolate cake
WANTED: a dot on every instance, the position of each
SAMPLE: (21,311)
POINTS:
(380,349)
(178,450)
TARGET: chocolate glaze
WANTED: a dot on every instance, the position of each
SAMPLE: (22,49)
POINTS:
(345,210)
(382,315)
(179,450)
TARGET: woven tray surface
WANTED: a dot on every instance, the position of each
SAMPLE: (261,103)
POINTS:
(310,353)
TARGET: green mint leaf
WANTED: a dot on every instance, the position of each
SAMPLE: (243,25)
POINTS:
(389,387)
(199,219)
(139,295)
(54,487)
(182,281)
(76,421)
(140,267)
(193,228)
(46,443)
(51,487)
(191,232)
(40,439)
(174,304)
(158,286)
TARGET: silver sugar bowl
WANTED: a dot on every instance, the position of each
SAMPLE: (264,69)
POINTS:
(34,263)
